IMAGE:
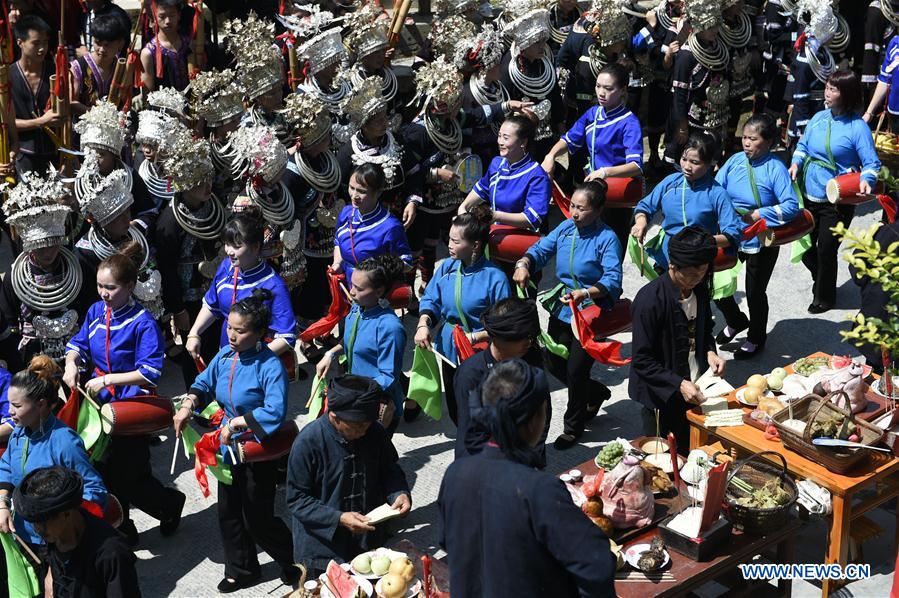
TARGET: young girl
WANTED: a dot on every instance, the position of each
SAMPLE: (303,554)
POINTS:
(249,383)
(120,349)
(374,337)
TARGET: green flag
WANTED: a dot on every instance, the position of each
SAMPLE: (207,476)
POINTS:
(424,383)
(548,342)
(90,429)
(318,398)
(190,437)
(724,283)
(20,576)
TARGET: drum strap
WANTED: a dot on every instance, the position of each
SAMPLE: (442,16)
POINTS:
(349,227)
(351,342)
(25,453)
(231,380)
(458,294)
(755,188)
(683,204)
(234,291)
(110,388)
(574,236)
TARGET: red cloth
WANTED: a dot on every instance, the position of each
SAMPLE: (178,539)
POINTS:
(562,200)
(607,352)
(69,412)
(92,508)
(463,345)
(889,207)
(754,229)
(206,450)
(339,309)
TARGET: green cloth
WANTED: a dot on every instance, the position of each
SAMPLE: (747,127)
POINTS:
(425,383)
(318,398)
(725,283)
(20,576)
(799,246)
(548,342)
(90,429)
(221,472)
(638,255)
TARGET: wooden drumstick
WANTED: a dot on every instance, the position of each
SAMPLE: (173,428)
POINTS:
(174,455)
(27,549)
(442,358)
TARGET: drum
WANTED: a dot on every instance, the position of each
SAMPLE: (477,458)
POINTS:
(289,361)
(796,228)
(624,192)
(844,189)
(724,261)
(609,321)
(508,243)
(400,296)
(137,416)
(113,514)
(275,446)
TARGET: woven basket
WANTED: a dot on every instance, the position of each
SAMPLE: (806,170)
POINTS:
(809,409)
(757,472)
(886,144)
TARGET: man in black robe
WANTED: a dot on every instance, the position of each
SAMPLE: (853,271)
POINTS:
(87,557)
(672,336)
(342,466)
(508,529)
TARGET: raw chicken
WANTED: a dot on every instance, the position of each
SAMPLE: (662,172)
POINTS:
(851,381)
(627,495)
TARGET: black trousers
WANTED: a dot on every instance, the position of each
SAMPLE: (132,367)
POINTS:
(583,391)
(125,468)
(246,511)
(759,267)
(448,375)
(313,299)
(821,258)
(209,346)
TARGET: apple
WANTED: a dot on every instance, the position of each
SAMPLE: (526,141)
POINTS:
(380,565)
(779,372)
(362,564)
(775,383)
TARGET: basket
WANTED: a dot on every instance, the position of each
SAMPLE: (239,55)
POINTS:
(807,409)
(886,144)
(757,472)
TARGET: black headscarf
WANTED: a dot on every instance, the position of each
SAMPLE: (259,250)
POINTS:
(692,246)
(355,398)
(41,508)
(520,320)
(509,413)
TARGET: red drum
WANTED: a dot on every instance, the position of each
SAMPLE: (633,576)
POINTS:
(724,261)
(113,514)
(400,296)
(624,192)
(289,361)
(275,446)
(509,244)
(137,416)
(796,228)
(844,189)
(610,321)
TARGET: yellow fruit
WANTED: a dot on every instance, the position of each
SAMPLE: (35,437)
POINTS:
(751,396)
(403,567)
(757,381)
(393,586)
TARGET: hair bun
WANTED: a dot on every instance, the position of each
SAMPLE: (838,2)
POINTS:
(481,212)
(45,369)
(262,295)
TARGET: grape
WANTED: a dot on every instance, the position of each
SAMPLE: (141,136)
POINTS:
(610,455)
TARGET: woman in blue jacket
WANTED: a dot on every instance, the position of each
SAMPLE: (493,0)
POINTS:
(40,440)
(374,337)
(462,289)
(761,189)
(249,383)
(588,266)
(836,141)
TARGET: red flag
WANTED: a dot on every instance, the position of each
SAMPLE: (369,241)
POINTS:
(562,200)
(607,352)
(889,207)
(340,307)
(206,449)
(754,229)
(463,345)
(69,412)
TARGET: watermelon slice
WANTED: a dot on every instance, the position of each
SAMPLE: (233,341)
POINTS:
(838,362)
(342,582)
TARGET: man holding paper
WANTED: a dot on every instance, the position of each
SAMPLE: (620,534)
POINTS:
(341,467)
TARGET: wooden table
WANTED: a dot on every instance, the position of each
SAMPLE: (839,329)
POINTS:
(439,567)
(879,468)
(689,574)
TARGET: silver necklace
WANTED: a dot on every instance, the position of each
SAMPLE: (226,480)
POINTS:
(103,248)
(485,94)
(713,59)
(157,185)
(840,40)
(276,205)
(821,71)
(388,158)
(224,157)
(84,183)
(389,83)
(326,181)
(736,37)
(448,143)
(45,297)
(535,88)
(206,227)
(332,100)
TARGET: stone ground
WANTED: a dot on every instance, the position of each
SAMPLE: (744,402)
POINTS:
(190,563)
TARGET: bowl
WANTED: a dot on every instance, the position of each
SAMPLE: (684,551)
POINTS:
(654,446)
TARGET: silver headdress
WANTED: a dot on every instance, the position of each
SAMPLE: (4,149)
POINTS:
(35,210)
(107,198)
(187,161)
(308,117)
(103,127)
(703,14)
(262,155)
(531,28)
(438,83)
(216,97)
(168,99)
(365,101)
(323,50)
(306,26)
(479,53)
(153,127)
(456,7)
(446,33)
(258,60)
(611,23)
(367,28)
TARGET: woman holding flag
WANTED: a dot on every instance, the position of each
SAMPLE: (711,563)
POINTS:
(121,347)
(248,382)
(374,337)
(463,287)
(760,187)
(40,440)
(588,266)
